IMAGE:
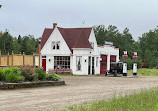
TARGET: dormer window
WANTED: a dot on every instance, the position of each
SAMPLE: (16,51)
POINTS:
(55,45)
(58,45)
(92,44)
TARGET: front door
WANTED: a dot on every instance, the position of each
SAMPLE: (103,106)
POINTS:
(44,64)
(103,64)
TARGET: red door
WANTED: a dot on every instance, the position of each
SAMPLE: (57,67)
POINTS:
(44,64)
(112,58)
(103,64)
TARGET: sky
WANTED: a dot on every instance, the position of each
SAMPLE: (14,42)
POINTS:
(23,17)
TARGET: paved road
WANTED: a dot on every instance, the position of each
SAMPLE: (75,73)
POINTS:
(79,89)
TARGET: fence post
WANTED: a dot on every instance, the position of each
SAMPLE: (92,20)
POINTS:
(33,60)
(8,59)
(23,58)
(0,57)
(12,58)
(39,52)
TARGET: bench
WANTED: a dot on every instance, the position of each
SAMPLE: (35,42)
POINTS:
(60,71)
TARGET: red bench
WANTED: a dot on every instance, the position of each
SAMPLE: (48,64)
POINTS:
(60,71)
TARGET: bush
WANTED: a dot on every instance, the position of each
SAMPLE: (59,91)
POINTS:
(2,76)
(12,74)
(52,77)
(7,71)
(41,74)
(12,77)
(29,73)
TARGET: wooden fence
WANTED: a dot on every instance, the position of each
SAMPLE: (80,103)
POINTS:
(17,60)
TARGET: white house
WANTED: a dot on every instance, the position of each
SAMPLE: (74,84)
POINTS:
(71,48)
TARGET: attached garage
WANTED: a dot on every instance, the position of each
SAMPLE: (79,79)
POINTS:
(108,54)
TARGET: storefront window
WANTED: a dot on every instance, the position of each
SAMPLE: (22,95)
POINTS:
(61,62)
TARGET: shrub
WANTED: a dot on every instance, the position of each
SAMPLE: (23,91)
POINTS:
(29,73)
(7,71)
(12,74)
(2,76)
(52,77)
(41,74)
(12,77)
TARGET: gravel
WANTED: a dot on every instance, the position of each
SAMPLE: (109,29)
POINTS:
(79,89)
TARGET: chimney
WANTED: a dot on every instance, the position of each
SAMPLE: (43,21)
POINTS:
(54,25)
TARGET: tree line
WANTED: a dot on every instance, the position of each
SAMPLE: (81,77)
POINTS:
(146,46)
(26,44)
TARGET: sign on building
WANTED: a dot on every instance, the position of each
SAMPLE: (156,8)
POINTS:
(108,43)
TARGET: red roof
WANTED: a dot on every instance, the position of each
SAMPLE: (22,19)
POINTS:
(46,34)
(74,37)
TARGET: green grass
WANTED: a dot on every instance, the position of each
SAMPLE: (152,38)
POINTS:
(146,100)
(145,72)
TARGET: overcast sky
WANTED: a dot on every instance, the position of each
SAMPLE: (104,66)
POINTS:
(32,16)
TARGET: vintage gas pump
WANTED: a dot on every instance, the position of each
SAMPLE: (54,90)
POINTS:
(124,56)
(135,58)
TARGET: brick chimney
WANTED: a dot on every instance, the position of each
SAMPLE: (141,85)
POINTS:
(54,25)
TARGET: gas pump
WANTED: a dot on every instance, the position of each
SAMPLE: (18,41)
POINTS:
(135,58)
(124,56)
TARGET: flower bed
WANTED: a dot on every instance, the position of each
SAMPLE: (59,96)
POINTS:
(26,74)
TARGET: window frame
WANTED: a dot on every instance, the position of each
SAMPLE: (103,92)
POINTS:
(62,62)
(77,66)
(53,45)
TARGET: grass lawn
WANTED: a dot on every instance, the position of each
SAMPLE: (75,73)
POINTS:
(145,72)
(143,101)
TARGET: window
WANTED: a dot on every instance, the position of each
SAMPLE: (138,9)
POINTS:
(58,45)
(53,45)
(43,57)
(61,62)
(92,44)
(78,62)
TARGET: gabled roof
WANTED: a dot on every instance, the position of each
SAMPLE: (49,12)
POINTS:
(46,34)
(74,37)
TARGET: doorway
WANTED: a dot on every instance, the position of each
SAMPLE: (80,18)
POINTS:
(89,65)
(93,70)
(44,64)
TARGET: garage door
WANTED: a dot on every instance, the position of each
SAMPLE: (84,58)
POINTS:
(103,64)
(112,58)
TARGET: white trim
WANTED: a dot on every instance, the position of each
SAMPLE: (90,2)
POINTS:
(82,48)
